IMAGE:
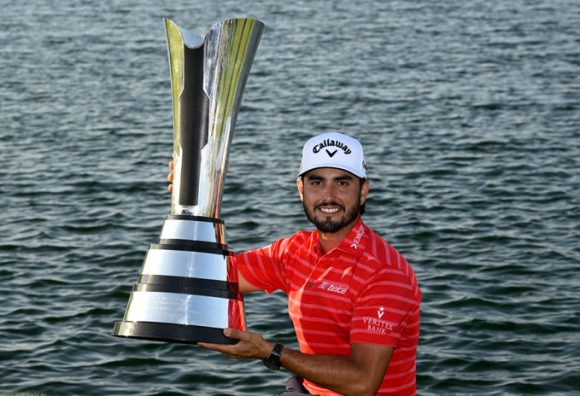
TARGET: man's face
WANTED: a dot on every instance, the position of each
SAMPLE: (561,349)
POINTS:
(332,198)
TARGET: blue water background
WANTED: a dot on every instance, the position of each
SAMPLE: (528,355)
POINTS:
(469,114)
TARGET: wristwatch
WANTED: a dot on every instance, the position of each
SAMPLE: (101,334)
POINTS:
(273,361)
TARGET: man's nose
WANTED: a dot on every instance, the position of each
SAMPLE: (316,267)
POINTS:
(329,193)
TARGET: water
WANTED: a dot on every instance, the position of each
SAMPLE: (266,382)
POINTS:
(469,113)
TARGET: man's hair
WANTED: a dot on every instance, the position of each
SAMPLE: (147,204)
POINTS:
(362,207)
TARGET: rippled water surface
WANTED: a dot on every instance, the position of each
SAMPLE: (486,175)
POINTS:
(469,113)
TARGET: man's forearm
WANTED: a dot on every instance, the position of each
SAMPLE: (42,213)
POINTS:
(359,373)
(338,373)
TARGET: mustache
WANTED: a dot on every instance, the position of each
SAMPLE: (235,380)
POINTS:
(331,203)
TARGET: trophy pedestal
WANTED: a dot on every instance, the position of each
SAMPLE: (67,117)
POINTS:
(188,289)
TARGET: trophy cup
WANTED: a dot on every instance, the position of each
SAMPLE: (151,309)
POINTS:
(188,289)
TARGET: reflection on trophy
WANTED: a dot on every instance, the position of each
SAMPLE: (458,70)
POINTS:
(188,289)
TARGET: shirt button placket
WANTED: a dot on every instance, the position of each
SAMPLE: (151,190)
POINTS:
(316,272)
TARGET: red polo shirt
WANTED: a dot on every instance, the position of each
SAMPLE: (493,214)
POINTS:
(362,291)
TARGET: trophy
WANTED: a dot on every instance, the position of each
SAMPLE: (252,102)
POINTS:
(188,287)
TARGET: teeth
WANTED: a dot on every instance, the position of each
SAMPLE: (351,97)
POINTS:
(329,210)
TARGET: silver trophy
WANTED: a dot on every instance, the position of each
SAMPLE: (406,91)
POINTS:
(188,290)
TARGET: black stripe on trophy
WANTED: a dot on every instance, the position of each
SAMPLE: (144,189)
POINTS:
(184,285)
(194,109)
(171,332)
(192,246)
(195,218)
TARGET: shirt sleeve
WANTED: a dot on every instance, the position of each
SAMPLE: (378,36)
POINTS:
(264,267)
(383,309)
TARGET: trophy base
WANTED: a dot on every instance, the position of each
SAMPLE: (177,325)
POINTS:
(188,289)
(175,333)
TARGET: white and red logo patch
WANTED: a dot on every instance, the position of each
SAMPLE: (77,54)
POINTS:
(333,287)
(357,238)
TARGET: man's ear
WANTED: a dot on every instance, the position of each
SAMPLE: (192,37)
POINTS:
(364,191)
(300,186)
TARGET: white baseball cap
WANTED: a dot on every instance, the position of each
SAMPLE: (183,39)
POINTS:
(334,150)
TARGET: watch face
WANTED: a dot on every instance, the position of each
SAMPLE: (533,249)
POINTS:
(271,364)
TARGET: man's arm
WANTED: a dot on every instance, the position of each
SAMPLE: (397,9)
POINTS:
(244,285)
(359,374)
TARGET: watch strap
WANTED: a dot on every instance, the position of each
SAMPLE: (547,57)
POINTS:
(273,361)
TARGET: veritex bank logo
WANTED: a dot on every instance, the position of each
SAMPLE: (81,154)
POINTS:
(381,312)
(377,325)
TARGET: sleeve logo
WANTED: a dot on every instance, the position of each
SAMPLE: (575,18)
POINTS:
(379,326)
(381,312)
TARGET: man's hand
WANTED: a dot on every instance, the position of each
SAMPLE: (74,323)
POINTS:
(359,374)
(250,345)
(170,175)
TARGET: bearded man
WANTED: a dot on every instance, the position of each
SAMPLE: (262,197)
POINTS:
(353,298)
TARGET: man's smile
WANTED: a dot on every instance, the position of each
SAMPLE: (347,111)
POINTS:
(330,208)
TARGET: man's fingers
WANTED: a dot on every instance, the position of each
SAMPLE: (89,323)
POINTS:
(236,334)
(229,350)
(216,347)
(170,175)
(207,345)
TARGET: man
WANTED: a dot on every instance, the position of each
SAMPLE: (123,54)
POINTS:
(353,299)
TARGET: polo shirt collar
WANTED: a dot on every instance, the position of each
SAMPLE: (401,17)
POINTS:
(354,243)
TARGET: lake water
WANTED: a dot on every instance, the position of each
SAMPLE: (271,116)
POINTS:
(469,113)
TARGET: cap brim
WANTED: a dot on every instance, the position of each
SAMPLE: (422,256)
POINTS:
(344,168)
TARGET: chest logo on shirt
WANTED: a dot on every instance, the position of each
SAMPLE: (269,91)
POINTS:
(333,287)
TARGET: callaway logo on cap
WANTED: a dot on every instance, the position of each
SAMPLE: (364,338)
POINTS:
(334,150)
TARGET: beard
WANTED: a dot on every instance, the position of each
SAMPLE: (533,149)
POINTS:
(326,224)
